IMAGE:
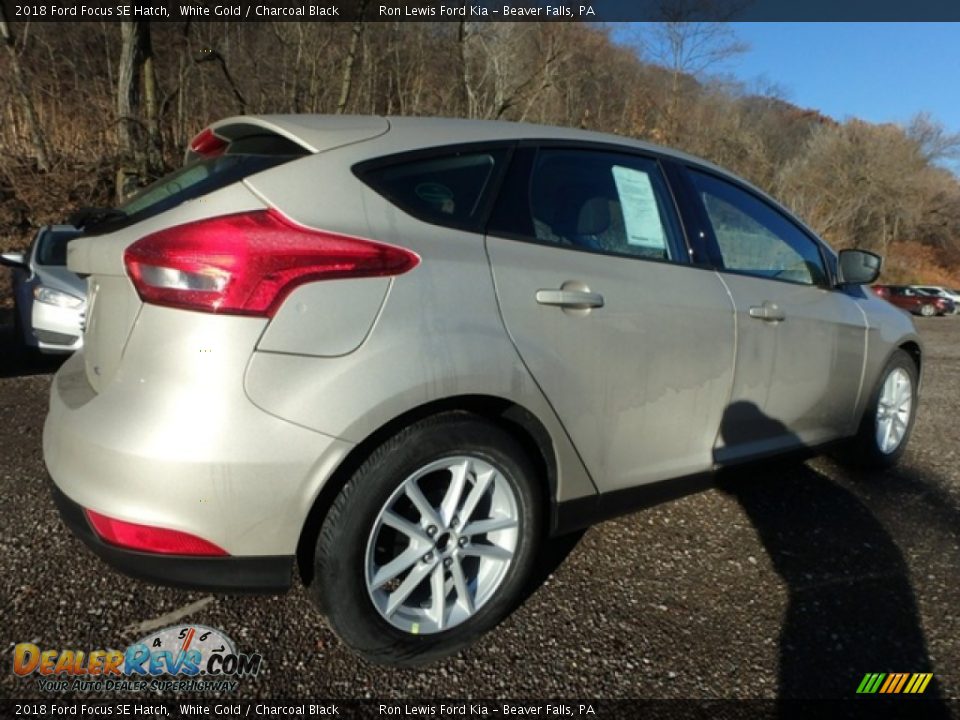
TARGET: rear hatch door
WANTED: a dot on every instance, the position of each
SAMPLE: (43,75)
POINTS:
(211,183)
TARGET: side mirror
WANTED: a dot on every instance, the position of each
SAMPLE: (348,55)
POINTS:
(859,267)
(14,260)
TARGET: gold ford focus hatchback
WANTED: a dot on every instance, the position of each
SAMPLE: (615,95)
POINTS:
(398,355)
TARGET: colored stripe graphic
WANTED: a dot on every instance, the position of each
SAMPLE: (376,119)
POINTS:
(894,683)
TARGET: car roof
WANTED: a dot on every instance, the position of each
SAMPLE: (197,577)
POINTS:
(410,133)
(413,133)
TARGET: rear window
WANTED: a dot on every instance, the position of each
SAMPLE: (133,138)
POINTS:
(52,246)
(446,189)
(243,157)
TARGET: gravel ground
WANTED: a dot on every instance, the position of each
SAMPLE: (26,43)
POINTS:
(785,581)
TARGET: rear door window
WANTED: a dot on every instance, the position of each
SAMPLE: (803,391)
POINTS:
(591,200)
(443,189)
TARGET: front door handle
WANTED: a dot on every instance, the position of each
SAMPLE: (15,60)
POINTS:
(768,311)
(570,299)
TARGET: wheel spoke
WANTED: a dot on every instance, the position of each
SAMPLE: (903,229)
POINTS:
(460,585)
(480,487)
(438,592)
(409,584)
(401,562)
(482,527)
(887,431)
(401,524)
(427,512)
(494,552)
(448,507)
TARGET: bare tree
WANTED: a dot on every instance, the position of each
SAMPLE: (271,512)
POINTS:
(688,50)
(24,93)
(346,76)
(135,48)
(934,140)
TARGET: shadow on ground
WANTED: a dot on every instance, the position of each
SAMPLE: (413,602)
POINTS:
(851,607)
(16,360)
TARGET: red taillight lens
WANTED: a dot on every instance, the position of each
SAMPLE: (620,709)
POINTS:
(207,144)
(150,539)
(247,264)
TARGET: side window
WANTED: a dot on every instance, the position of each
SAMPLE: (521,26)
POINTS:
(445,190)
(756,239)
(601,201)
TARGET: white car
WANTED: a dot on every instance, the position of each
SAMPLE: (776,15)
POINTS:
(937,291)
(50,300)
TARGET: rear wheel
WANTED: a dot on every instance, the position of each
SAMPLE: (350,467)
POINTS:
(889,417)
(430,542)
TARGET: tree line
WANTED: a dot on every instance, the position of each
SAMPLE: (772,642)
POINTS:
(93,110)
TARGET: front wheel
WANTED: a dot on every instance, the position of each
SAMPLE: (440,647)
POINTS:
(928,311)
(890,414)
(430,542)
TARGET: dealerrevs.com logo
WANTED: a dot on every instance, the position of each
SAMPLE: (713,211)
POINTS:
(197,658)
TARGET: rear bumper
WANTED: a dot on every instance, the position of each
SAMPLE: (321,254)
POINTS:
(256,574)
(194,456)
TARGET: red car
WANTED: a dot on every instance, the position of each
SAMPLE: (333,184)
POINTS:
(913,300)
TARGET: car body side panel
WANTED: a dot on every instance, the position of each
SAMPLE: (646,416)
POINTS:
(640,383)
(802,375)
(888,328)
(438,336)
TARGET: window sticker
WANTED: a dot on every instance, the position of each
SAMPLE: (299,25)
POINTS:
(640,214)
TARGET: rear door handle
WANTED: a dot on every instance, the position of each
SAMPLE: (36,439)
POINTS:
(570,299)
(768,311)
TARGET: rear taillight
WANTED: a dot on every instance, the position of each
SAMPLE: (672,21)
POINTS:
(147,538)
(207,144)
(247,264)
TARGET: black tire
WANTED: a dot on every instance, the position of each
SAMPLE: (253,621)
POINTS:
(864,450)
(928,310)
(340,586)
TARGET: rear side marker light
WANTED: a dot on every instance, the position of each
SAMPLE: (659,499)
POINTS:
(207,144)
(248,263)
(145,538)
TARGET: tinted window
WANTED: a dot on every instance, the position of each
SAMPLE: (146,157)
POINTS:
(199,177)
(591,200)
(52,246)
(756,239)
(445,190)
(195,180)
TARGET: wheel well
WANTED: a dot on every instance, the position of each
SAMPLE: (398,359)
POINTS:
(913,350)
(523,425)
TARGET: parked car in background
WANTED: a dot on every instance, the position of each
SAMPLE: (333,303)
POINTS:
(938,291)
(400,354)
(50,301)
(914,301)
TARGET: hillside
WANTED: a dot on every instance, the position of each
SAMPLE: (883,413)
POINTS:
(95,109)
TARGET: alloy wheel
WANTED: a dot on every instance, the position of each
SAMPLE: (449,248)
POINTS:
(442,544)
(893,410)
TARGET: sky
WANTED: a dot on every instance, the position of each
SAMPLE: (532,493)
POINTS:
(879,72)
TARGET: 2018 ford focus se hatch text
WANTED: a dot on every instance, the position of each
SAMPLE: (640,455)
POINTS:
(401,354)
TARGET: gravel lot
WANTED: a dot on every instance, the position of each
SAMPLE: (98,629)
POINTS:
(786,581)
